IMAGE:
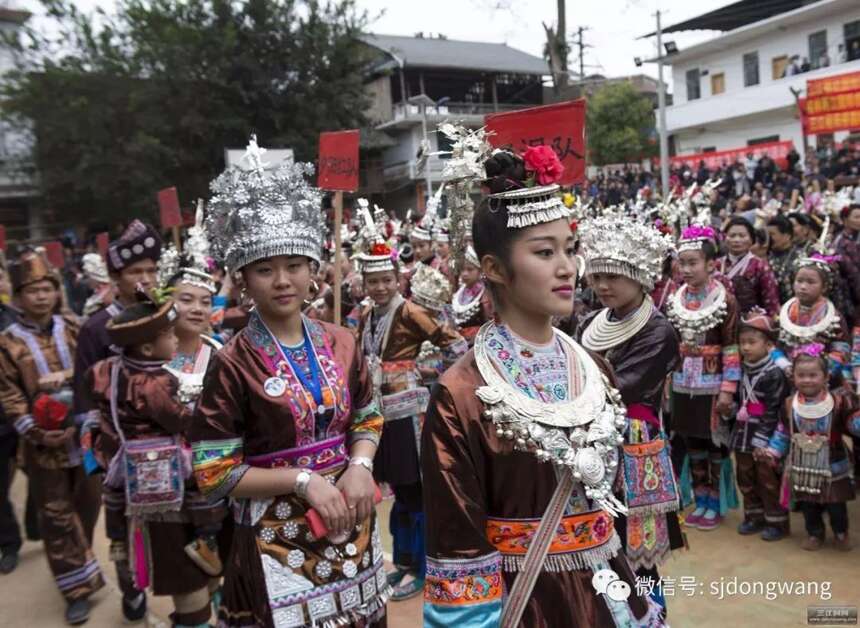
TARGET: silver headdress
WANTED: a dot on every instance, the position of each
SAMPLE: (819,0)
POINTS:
(471,257)
(533,206)
(256,212)
(427,226)
(430,288)
(618,245)
(373,255)
(192,266)
(821,257)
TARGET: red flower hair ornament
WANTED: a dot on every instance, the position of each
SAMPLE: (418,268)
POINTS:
(543,164)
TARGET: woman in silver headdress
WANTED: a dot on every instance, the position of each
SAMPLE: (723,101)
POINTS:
(286,425)
(520,446)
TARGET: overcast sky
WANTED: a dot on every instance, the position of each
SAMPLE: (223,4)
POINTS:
(614,25)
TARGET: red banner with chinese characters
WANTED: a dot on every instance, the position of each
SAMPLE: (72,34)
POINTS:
(778,151)
(560,126)
(338,161)
(831,104)
(168,208)
(54,254)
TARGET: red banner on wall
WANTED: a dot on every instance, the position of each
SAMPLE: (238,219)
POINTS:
(560,126)
(778,151)
(831,104)
(338,161)
(837,84)
(168,208)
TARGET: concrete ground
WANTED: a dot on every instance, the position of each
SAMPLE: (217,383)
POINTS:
(28,597)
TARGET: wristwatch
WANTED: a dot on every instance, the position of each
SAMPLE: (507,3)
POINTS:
(302,481)
(363,461)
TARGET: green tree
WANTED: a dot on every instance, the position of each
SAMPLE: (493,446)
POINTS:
(620,125)
(123,104)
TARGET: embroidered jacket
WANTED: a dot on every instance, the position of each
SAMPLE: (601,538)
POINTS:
(760,399)
(27,355)
(753,283)
(713,364)
(278,572)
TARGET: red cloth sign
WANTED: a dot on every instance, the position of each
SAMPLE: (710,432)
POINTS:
(2,238)
(560,126)
(778,151)
(102,242)
(338,161)
(837,84)
(831,104)
(54,254)
(168,208)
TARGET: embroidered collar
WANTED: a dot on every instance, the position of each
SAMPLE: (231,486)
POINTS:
(28,333)
(738,266)
(605,333)
(467,303)
(579,436)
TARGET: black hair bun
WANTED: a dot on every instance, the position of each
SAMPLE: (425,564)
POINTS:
(505,171)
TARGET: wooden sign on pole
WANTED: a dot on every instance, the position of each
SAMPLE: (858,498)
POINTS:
(338,173)
(54,254)
(2,238)
(102,243)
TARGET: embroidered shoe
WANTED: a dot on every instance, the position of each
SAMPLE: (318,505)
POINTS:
(842,542)
(773,533)
(812,543)
(203,552)
(407,591)
(396,576)
(750,527)
(695,517)
(710,520)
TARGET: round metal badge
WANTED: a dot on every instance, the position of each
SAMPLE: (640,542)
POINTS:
(275,386)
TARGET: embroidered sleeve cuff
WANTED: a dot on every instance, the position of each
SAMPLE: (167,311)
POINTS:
(779,443)
(731,363)
(218,466)
(24,424)
(367,424)
(730,387)
(463,592)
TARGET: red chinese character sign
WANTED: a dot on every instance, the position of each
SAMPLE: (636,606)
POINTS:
(168,208)
(102,243)
(338,161)
(560,126)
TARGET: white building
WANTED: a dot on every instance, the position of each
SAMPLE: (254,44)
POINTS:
(735,90)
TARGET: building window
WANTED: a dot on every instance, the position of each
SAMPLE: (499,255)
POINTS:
(751,69)
(779,65)
(763,140)
(694,90)
(852,40)
(718,83)
(818,50)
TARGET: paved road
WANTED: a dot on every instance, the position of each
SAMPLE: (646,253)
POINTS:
(28,597)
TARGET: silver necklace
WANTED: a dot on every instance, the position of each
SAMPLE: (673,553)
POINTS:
(581,434)
(603,334)
(814,410)
(691,323)
(794,335)
(464,312)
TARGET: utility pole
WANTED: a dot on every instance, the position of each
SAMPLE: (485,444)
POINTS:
(580,44)
(661,106)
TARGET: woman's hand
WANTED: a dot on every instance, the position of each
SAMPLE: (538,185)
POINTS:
(358,488)
(725,400)
(329,504)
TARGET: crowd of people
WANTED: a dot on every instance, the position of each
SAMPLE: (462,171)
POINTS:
(553,389)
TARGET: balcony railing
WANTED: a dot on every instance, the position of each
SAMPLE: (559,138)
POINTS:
(407,110)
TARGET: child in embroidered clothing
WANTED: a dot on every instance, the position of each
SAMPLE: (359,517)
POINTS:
(810,317)
(810,437)
(760,400)
(705,314)
(138,401)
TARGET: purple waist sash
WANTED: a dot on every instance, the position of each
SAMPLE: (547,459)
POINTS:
(321,456)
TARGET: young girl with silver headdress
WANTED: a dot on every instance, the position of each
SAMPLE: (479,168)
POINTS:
(471,304)
(703,385)
(287,425)
(392,332)
(520,447)
(623,259)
